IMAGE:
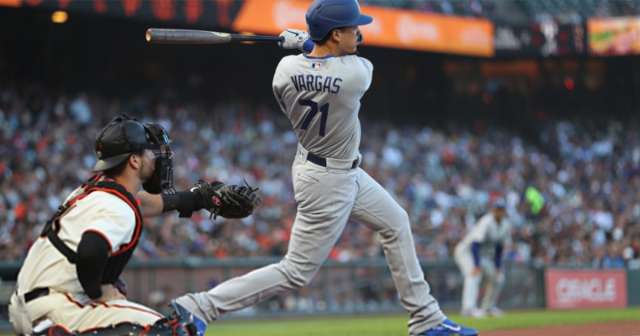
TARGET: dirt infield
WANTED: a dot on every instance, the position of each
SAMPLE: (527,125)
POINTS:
(622,328)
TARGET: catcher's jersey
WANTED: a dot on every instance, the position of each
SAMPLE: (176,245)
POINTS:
(321,98)
(99,211)
(488,233)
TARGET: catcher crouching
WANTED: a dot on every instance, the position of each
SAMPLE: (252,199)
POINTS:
(70,282)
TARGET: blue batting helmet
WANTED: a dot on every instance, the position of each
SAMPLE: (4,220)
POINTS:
(324,15)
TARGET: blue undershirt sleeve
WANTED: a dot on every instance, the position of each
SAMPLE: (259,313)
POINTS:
(498,256)
(475,250)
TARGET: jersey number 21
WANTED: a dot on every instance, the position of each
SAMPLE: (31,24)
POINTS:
(314,108)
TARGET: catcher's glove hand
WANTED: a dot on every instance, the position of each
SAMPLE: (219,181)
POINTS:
(228,201)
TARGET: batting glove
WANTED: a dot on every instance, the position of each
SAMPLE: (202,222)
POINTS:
(293,39)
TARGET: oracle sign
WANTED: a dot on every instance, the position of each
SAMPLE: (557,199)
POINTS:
(568,289)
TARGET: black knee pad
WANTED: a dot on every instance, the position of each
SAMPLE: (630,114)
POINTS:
(163,327)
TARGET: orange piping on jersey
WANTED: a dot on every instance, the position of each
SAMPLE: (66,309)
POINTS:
(80,305)
(95,304)
(151,312)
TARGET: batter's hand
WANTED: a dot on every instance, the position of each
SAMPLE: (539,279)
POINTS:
(476,271)
(293,39)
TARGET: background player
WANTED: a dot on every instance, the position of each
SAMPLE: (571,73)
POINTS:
(320,93)
(71,274)
(491,232)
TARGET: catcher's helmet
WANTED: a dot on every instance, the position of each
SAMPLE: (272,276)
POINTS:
(124,136)
(325,15)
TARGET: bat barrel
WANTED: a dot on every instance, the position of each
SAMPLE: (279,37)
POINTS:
(185,36)
(193,36)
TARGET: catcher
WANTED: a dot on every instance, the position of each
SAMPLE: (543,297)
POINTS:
(70,282)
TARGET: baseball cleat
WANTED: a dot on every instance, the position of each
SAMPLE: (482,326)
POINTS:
(450,328)
(187,317)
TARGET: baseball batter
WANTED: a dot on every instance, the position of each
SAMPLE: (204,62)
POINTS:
(320,93)
(70,282)
(491,232)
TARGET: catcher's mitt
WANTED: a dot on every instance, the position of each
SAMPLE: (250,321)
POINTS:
(228,201)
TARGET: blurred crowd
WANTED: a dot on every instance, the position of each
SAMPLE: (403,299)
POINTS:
(578,204)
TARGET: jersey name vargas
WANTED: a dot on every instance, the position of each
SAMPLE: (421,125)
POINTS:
(318,83)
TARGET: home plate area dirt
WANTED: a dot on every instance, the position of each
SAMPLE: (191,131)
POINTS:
(623,328)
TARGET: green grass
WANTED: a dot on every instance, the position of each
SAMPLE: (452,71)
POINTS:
(394,325)
(391,325)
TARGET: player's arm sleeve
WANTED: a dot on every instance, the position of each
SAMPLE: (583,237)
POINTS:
(475,252)
(93,251)
(186,202)
(498,255)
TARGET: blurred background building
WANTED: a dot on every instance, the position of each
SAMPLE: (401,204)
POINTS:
(534,101)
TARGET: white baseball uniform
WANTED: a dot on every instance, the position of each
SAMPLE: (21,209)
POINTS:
(321,98)
(45,267)
(488,233)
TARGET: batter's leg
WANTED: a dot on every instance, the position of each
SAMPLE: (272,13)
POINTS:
(324,204)
(378,210)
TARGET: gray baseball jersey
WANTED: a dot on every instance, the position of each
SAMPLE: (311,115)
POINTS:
(321,98)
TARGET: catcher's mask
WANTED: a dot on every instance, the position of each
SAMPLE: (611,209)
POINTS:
(124,136)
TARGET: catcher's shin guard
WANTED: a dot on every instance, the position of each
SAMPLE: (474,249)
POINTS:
(163,327)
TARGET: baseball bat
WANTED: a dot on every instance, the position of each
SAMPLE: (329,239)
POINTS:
(193,36)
